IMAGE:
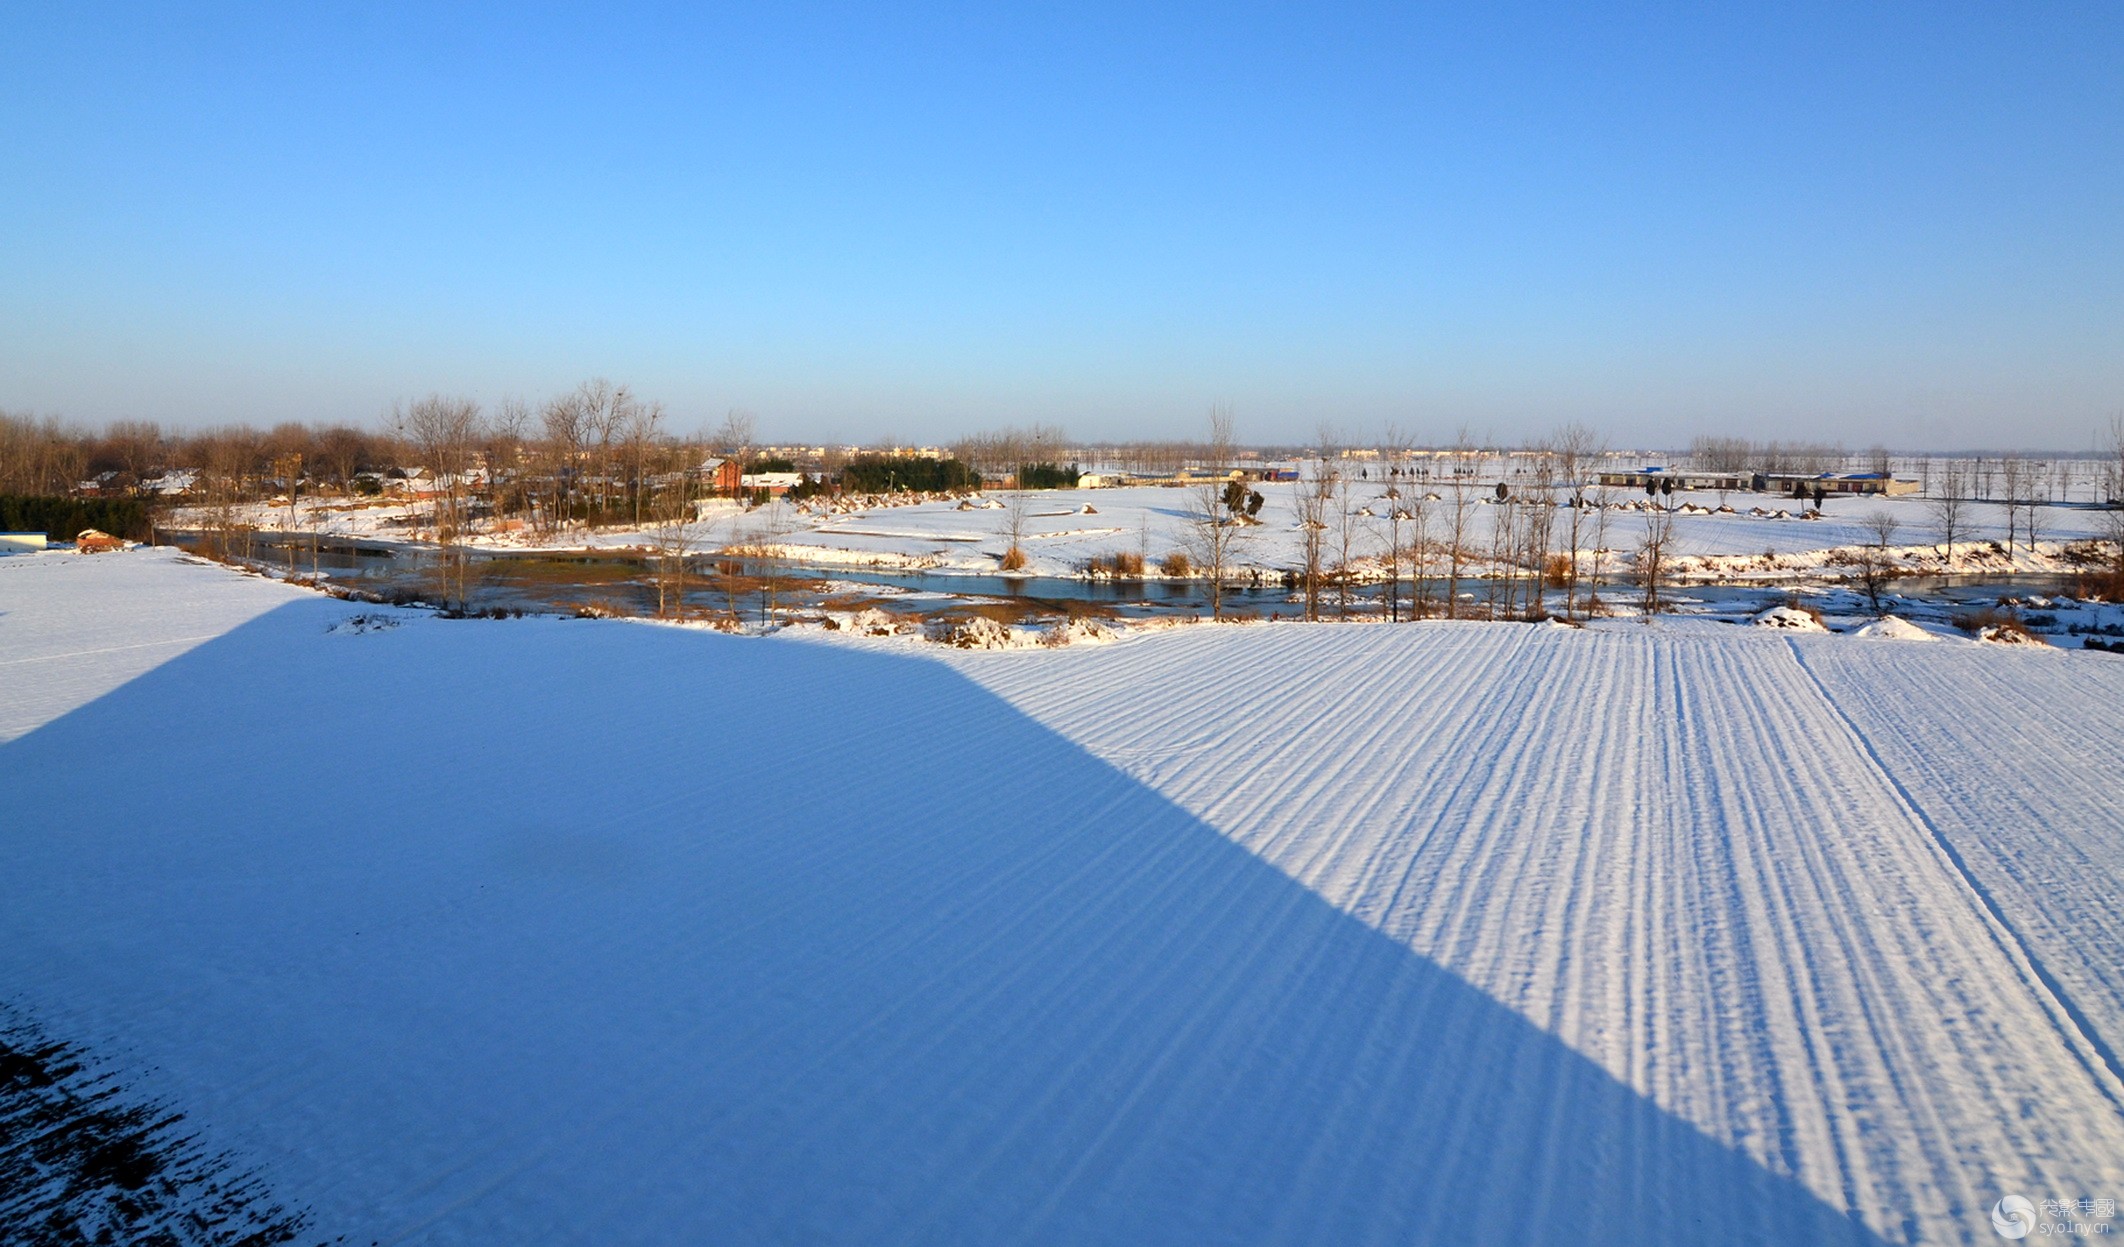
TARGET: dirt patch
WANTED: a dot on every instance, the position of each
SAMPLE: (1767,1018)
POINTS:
(82,1161)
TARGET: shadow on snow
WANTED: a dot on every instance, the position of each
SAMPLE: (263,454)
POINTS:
(612,933)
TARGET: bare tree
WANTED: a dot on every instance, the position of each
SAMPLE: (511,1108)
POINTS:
(1653,553)
(1873,564)
(1417,506)
(138,445)
(1715,454)
(1576,447)
(1215,530)
(1950,495)
(642,422)
(341,452)
(674,535)
(772,522)
(734,436)
(287,468)
(1349,529)
(1315,497)
(1540,520)
(1601,500)
(2113,487)
(2013,478)
(1459,506)
(1016,510)
(611,410)
(503,452)
(228,459)
(1313,502)
(1393,450)
(566,421)
(1497,594)
(444,434)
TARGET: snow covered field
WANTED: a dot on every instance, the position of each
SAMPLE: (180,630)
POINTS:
(1061,535)
(607,932)
(1154,520)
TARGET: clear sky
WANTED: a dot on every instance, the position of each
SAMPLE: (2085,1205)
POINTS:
(1862,221)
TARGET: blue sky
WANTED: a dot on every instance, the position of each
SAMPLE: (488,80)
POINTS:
(1857,221)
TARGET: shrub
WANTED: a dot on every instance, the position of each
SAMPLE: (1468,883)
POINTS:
(1119,563)
(1047,476)
(970,632)
(878,474)
(60,519)
(2099,586)
(1014,558)
(1177,564)
(2085,553)
(1987,623)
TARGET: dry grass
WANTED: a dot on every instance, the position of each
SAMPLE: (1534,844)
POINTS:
(1793,602)
(2099,586)
(1014,559)
(1990,618)
(1119,563)
(1177,564)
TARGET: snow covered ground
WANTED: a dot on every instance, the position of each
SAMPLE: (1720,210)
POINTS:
(1061,537)
(1063,529)
(608,932)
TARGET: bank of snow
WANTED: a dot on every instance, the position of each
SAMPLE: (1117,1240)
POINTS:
(602,932)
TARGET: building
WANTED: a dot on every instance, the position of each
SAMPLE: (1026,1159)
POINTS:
(724,476)
(1780,483)
(1638,478)
(772,482)
(1834,483)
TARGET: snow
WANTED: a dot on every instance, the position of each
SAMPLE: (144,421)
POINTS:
(1789,619)
(2000,635)
(608,932)
(948,535)
(1755,537)
(1893,628)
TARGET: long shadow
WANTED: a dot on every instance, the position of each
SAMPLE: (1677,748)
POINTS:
(558,932)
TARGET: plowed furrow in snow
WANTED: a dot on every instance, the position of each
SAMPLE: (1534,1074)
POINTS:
(1671,851)
(2014,759)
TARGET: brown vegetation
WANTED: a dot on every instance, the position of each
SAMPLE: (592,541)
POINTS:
(1118,563)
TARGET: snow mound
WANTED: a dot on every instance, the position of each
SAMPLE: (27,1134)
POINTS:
(356,624)
(2001,634)
(1790,618)
(979,632)
(1080,632)
(869,621)
(1891,628)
